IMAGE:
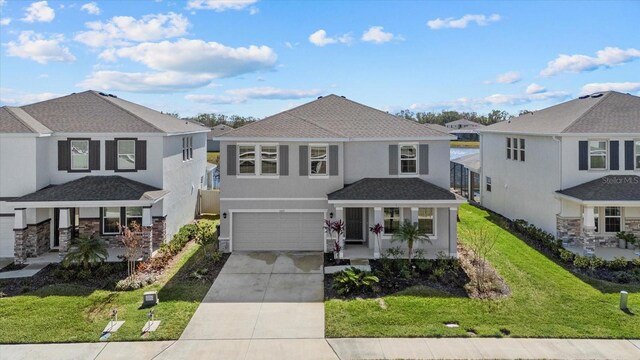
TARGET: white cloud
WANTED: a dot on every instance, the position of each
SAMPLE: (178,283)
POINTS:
(375,34)
(463,22)
(320,38)
(625,87)
(39,12)
(534,88)
(237,96)
(91,8)
(2,3)
(472,104)
(509,77)
(122,30)
(197,56)
(147,82)
(13,97)
(253,10)
(607,57)
(5,21)
(220,5)
(36,47)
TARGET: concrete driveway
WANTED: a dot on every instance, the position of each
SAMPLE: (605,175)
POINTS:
(263,296)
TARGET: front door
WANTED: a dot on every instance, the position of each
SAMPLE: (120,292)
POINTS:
(354,224)
(56,227)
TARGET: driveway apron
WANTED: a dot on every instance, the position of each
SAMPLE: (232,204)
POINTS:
(263,296)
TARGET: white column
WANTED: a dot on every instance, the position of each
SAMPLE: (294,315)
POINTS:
(146,217)
(340,216)
(377,219)
(65,219)
(20,219)
(588,218)
(414,215)
(453,231)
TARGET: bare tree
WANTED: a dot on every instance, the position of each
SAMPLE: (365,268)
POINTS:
(132,240)
(481,242)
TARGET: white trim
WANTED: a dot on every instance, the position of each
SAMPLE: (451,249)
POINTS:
(86,204)
(606,154)
(118,154)
(434,219)
(326,161)
(71,154)
(400,215)
(257,158)
(416,147)
(264,177)
(405,203)
(338,139)
(636,153)
(273,199)
(621,203)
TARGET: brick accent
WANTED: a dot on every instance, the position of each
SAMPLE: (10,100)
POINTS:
(65,241)
(89,227)
(20,250)
(159,229)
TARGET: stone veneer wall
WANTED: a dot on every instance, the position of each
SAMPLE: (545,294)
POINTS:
(89,226)
(569,230)
(632,225)
(32,241)
(159,229)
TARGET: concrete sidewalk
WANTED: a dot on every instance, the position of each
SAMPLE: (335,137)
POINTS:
(333,349)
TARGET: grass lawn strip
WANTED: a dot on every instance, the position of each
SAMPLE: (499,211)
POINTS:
(546,301)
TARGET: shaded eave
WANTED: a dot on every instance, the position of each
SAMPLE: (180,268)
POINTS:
(339,139)
(610,190)
(598,202)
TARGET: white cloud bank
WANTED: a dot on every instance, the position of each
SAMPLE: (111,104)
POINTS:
(146,82)
(320,38)
(237,96)
(377,35)
(625,87)
(39,12)
(463,22)
(220,5)
(91,8)
(534,88)
(37,47)
(13,97)
(607,57)
(5,21)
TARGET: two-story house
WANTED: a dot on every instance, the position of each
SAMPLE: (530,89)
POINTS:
(333,158)
(88,163)
(570,169)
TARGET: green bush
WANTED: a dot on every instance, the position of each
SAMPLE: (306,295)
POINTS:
(581,262)
(617,264)
(86,251)
(353,280)
(636,262)
(567,256)
(623,277)
(596,263)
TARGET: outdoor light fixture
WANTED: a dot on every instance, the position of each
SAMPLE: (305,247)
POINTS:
(330,215)
(224,215)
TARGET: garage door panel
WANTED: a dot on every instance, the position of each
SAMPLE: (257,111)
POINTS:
(285,231)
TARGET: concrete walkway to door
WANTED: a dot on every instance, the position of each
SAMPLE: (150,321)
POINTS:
(263,296)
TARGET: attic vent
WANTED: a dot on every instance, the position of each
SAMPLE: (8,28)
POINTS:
(113,96)
(596,95)
(343,97)
(103,94)
(583,97)
(320,97)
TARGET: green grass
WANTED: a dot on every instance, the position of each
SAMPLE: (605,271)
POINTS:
(465,144)
(65,313)
(546,301)
(212,157)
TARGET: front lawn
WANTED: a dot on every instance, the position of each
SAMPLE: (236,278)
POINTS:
(546,301)
(72,313)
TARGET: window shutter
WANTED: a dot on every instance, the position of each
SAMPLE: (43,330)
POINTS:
(303,160)
(333,160)
(110,155)
(141,154)
(284,159)
(393,159)
(231,159)
(614,155)
(64,155)
(628,155)
(583,155)
(94,155)
(424,159)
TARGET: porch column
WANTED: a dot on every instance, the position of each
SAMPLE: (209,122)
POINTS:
(377,219)
(340,216)
(20,233)
(147,233)
(453,231)
(64,230)
(414,215)
(588,225)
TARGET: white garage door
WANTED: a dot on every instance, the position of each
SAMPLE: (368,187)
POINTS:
(278,231)
(6,237)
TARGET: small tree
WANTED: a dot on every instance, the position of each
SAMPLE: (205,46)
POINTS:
(377,230)
(205,234)
(338,227)
(411,234)
(86,251)
(481,242)
(131,237)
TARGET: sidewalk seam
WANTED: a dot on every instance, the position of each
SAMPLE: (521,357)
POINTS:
(163,350)
(101,350)
(332,349)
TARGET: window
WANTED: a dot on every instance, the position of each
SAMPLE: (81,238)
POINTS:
(508,148)
(269,160)
(187,148)
(408,159)
(488,184)
(515,149)
(637,155)
(596,219)
(521,149)
(597,155)
(391,220)
(612,219)
(318,160)
(126,154)
(111,220)
(425,220)
(79,154)
(133,214)
(247,157)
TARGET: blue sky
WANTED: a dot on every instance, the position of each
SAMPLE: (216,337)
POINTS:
(260,57)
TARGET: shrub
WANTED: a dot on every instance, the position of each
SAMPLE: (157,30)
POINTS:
(216,256)
(636,262)
(596,263)
(353,280)
(393,253)
(83,274)
(622,277)
(86,251)
(567,256)
(581,262)
(137,281)
(619,263)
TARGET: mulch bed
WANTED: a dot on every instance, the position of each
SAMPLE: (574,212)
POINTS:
(13,267)
(329,260)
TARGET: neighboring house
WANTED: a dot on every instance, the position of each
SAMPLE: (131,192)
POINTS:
(437,127)
(89,162)
(462,124)
(463,130)
(571,169)
(213,144)
(333,158)
(465,176)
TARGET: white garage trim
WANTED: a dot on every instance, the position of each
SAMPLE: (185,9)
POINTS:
(232,211)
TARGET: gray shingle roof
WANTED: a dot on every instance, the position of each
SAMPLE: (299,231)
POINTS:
(612,112)
(218,130)
(471,161)
(437,127)
(608,188)
(9,123)
(333,116)
(95,188)
(465,122)
(391,189)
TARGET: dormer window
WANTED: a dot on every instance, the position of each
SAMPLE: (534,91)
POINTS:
(79,154)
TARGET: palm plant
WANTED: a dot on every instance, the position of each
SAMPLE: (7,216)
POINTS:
(377,229)
(338,227)
(411,234)
(86,251)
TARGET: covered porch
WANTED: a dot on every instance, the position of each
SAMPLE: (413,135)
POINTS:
(46,221)
(593,214)
(390,202)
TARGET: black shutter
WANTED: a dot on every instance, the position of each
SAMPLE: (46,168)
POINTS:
(424,159)
(110,154)
(284,159)
(231,160)
(614,155)
(583,155)
(94,155)
(64,155)
(141,154)
(393,159)
(333,160)
(303,160)
(628,155)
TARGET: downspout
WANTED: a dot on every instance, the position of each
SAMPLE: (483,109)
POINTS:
(559,141)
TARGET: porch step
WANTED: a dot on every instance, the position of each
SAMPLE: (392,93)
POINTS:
(338,268)
(359,262)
